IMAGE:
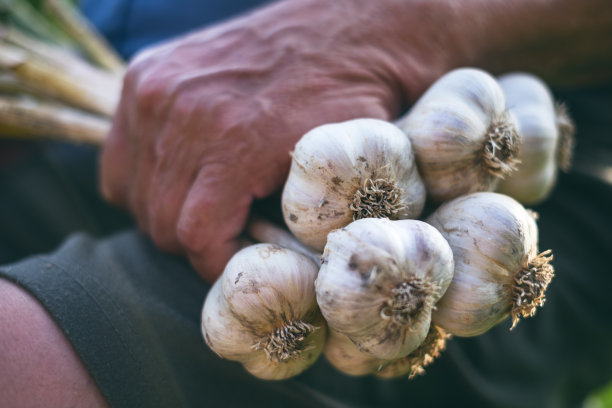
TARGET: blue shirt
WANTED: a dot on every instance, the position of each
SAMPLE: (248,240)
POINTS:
(132,24)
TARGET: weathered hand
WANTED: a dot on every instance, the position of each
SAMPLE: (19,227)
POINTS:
(206,122)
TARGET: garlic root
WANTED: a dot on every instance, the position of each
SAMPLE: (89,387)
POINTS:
(530,286)
(501,147)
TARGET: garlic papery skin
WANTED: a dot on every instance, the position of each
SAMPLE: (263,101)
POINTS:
(414,363)
(463,138)
(262,312)
(379,282)
(344,355)
(345,171)
(498,270)
(547,133)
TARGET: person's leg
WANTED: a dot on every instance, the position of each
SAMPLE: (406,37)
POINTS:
(39,367)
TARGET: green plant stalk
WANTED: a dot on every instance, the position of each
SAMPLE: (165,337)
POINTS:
(23,14)
(82,31)
(33,119)
(57,55)
(73,86)
(11,85)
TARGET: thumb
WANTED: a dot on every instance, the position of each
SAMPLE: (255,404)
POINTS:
(212,218)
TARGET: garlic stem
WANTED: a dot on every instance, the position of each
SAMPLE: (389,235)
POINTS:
(24,14)
(26,117)
(530,288)
(262,230)
(57,55)
(10,85)
(77,26)
(72,84)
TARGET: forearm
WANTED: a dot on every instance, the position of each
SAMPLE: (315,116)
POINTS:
(566,42)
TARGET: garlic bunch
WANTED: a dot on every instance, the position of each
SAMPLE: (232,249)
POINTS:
(498,270)
(547,133)
(463,138)
(379,282)
(346,171)
(262,312)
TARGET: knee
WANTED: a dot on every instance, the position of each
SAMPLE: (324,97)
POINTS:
(39,366)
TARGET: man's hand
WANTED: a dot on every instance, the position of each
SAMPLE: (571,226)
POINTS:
(206,122)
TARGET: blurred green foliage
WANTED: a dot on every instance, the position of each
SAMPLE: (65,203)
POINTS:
(600,399)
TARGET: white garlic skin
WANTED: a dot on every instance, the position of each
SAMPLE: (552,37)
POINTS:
(493,239)
(368,267)
(263,289)
(331,163)
(450,127)
(532,104)
(414,363)
(341,353)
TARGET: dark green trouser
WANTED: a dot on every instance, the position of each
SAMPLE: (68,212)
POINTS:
(132,312)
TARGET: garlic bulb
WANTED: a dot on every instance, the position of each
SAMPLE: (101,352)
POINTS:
(346,357)
(379,282)
(341,353)
(346,171)
(463,138)
(547,133)
(498,271)
(262,312)
(414,363)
